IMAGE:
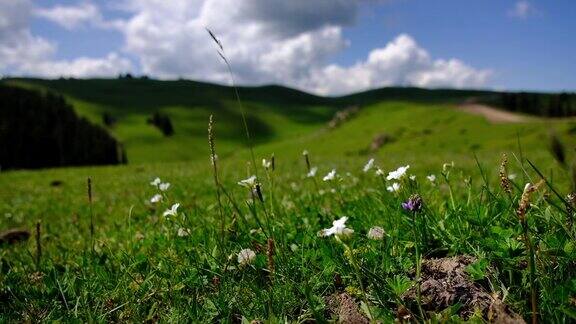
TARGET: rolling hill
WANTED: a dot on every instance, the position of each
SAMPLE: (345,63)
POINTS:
(280,118)
(272,112)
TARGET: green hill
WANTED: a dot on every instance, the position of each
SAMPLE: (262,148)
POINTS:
(409,118)
(273,112)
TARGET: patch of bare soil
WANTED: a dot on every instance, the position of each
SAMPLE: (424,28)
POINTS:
(380,140)
(492,114)
(444,283)
(342,116)
(345,308)
(13,236)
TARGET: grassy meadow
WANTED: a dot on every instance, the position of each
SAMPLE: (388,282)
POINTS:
(140,265)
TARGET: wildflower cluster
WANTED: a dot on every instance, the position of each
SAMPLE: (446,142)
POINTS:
(260,250)
(170,212)
(162,186)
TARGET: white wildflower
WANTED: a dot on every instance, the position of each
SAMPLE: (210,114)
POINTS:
(330,176)
(379,172)
(446,166)
(246,256)
(183,232)
(312,172)
(338,228)
(398,173)
(156,182)
(394,187)
(305,152)
(413,177)
(156,198)
(368,165)
(266,163)
(173,211)
(431,178)
(376,233)
(512,176)
(249,182)
(164,186)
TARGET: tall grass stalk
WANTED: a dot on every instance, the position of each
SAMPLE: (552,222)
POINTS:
(89,185)
(523,206)
(306,156)
(503,173)
(222,55)
(38,246)
(214,161)
(446,174)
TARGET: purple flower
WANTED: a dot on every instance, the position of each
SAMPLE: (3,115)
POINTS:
(413,204)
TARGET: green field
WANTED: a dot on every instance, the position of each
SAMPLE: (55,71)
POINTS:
(138,268)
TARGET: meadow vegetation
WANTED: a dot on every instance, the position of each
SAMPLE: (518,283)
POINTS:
(318,235)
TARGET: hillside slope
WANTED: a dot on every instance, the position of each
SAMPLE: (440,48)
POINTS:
(272,113)
(282,119)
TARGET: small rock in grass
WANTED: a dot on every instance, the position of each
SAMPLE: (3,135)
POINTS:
(56,183)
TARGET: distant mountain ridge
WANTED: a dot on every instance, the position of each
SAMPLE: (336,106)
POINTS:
(271,92)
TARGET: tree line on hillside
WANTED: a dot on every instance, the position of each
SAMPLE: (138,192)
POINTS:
(162,122)
(39,130)
(541,104)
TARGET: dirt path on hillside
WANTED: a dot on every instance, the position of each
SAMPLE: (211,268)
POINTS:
(494,115)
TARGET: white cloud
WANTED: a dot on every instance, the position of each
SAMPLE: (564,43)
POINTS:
(23,53)
(172,42)
(274,41)
(82,67)
(71,17)
(400,62)
(267,41)
(17,44)
(523,9)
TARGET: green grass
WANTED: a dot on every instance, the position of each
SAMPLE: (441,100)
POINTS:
(141,269)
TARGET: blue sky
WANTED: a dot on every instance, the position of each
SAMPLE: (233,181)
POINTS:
(536,51)
(322,46)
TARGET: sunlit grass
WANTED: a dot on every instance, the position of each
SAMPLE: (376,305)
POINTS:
(146,267)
